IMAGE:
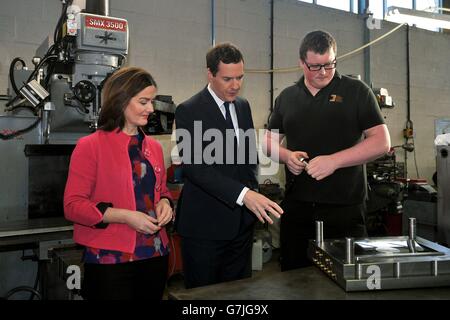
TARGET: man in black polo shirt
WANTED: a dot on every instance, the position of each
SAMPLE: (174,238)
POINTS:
(333,125)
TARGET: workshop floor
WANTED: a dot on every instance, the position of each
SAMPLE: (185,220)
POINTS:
(176,282)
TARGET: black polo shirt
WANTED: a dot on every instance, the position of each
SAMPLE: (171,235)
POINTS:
(331,121)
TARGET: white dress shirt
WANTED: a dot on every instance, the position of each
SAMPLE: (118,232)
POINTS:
(220,104)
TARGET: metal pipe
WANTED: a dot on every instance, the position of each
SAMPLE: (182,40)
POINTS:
(349,250)
(434,268)
(100,7)
(412,228)
(412,235)
(408,94)
(358,271)
(319,233)
(272,17)
(106,7)
(363,7)
(397,272)
(213,24)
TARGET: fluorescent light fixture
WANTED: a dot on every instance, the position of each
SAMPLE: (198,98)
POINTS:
(415,17)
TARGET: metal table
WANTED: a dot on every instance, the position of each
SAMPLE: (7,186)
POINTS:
(34,233)
(307,283)
(42,235)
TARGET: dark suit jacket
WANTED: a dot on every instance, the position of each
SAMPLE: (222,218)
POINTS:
(207,206)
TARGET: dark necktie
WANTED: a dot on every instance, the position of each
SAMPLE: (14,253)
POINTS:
(228,119)
(233,142)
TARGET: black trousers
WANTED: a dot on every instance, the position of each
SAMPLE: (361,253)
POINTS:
(137,280)
(298,227)
(212,261)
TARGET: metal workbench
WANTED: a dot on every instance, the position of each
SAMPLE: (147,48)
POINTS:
(34,232)
(307,283)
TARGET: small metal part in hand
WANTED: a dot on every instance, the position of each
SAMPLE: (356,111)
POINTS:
(304,160)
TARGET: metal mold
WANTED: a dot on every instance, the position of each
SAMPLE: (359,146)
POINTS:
(363,264)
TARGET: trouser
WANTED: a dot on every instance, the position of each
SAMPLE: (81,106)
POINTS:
(298,227)
(137,280)
(212,261)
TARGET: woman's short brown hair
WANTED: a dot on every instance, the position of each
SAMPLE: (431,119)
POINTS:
(117,92)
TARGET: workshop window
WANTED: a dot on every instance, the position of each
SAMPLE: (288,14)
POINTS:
(346,5)
(379,8)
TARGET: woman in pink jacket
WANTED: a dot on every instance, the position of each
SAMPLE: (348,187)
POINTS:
(117,197)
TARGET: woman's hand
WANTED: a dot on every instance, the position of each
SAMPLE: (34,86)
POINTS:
(142,222)
(164,212)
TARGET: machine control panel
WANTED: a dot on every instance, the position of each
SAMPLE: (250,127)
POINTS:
(103,32)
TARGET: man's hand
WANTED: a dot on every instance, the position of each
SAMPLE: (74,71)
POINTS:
(260,205)
(163,212)
(294,163)
(321,167)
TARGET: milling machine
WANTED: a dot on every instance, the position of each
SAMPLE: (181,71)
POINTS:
(49,107)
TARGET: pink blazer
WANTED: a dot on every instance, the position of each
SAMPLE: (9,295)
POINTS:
(100,171)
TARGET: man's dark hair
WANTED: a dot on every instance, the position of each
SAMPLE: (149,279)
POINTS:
(318,42)
(226,53)
(117,92)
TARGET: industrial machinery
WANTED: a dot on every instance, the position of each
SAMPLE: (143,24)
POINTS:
(381,263)
(443,200)
(162,119)
(64,89)
(385,196)
(63,92)
(383,98)
(49,108)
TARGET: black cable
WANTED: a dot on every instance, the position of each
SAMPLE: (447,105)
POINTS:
(11,73)
(23,288)
(10,102)
(19,132)
(36,281)
(50,55)
(56,33)
(33,74)
(43,61)
(30,108)
(57,36)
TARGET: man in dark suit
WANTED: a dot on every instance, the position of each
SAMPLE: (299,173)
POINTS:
(218,207)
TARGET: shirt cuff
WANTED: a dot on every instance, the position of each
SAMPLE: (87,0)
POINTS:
(102,207)
(240,199)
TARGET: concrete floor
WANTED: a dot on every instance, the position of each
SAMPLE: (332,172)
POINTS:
(176,282)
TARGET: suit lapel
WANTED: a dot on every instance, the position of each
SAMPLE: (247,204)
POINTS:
(212,111)
(238,108)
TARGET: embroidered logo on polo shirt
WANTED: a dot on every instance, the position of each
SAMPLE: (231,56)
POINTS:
(336,98)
